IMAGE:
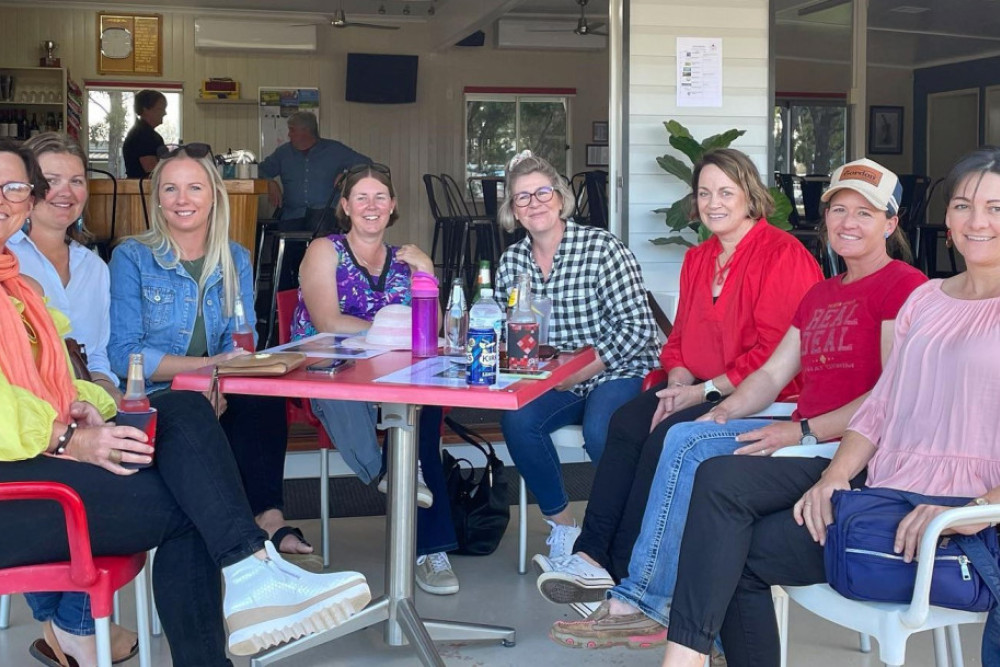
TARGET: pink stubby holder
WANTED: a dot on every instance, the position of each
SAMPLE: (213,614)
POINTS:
(424,302)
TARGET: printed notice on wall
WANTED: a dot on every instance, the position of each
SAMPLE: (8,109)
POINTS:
(699,71)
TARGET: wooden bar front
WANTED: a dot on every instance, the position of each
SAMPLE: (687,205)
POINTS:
(129,218)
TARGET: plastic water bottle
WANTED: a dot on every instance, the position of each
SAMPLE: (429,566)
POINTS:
(484,334)
(424,301)
(456,321)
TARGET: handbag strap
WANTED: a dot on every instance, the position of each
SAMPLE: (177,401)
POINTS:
(474,439)
(213,392)
(986,564)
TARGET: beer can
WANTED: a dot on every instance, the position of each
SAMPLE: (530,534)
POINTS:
(481,355)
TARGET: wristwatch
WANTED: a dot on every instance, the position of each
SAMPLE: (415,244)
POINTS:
(808,437)
(712,393)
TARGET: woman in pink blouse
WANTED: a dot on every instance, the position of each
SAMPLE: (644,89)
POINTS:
(929,426)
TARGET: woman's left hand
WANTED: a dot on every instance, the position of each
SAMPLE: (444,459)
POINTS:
(911,529)
(675,398)
(85,414)
(415,258)
(768,439)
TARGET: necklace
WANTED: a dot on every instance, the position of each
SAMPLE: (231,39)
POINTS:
(722,270)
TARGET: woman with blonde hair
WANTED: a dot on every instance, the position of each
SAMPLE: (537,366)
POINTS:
(176,292)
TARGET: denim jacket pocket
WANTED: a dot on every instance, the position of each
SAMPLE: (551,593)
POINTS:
(158,305)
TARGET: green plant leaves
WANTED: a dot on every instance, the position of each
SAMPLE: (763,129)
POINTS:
(672,165)
(689,147)
(782,209)
(722,140)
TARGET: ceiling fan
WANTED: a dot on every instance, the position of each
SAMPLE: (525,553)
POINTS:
(339,20)
(583,26)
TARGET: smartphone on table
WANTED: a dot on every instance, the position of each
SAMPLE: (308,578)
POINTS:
(526,374)
(329,366)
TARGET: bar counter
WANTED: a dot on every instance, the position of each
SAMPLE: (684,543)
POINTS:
(243,199)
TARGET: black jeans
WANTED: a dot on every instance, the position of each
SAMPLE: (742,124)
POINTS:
(739,540)
(257,429)
(624,476)
(189,504)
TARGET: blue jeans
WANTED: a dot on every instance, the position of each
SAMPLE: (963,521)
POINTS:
(527,430)
(652,571)
(69,611)
(351,426)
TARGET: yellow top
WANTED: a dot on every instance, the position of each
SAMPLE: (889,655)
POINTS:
(26,420)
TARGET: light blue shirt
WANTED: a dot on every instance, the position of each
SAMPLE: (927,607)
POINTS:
(154,307)
(86,300)
(307,177)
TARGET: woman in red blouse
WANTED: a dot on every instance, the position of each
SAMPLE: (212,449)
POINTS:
(739,291)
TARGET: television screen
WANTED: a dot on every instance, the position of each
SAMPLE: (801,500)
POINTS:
(381,79)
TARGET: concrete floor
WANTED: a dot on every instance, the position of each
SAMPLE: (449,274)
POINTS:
(493,592)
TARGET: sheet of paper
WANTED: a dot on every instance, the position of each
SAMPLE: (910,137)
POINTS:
(438,372)
(699,71)
(327,346)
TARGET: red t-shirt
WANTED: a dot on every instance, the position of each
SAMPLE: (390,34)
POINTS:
(770,272)
(841,332)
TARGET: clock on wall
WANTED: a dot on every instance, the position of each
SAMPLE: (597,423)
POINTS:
(116,42)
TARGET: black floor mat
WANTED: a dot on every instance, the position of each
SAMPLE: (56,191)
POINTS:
(349,497)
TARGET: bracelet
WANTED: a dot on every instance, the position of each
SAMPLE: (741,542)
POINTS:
(64,439)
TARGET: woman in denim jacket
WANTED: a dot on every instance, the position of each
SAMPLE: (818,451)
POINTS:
(174,292)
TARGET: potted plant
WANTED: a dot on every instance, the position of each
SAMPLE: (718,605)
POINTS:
(678,214)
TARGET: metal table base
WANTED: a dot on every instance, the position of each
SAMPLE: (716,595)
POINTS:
(396,608)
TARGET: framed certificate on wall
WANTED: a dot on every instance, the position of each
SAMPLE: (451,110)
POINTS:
(130,44)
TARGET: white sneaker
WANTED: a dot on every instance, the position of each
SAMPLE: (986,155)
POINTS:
(435,576)
(561,539)
(424,496)
(572,580)
(271,601)
(585,609)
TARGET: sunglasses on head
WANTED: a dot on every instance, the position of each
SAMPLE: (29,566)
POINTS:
(360,169)
(195,150)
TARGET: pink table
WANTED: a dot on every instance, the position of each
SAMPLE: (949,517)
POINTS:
(400,406)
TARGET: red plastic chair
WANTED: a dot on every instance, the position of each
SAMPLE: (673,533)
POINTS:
(100,576)
(297,411)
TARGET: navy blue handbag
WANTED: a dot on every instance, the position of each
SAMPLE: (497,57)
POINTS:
(861,564)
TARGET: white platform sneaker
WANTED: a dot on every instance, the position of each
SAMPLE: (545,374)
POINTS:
(271,601)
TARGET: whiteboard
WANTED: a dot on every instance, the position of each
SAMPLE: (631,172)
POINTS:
(275,105)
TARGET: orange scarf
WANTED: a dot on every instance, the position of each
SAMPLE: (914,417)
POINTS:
(50,378)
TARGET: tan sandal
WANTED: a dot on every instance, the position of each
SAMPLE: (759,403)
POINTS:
(48,651)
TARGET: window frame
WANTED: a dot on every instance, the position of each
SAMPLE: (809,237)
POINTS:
(786,101)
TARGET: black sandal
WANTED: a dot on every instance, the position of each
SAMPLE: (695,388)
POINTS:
(311,562)
(48,652)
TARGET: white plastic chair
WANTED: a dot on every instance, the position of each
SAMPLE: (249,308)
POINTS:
(892,624)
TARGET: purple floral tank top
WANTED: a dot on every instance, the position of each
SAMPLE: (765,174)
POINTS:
(360,294)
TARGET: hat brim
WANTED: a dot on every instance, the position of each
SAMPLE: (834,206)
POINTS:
(858,187)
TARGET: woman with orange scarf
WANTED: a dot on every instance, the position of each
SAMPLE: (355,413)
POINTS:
(189,505)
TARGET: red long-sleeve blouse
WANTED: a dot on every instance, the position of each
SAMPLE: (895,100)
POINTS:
(770,272)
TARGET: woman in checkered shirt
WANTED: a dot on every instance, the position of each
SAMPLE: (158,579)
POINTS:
(598,298)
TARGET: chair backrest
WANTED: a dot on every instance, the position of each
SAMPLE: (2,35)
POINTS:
(596,183)
(457,208)
(913,203)
(812,186)
(287,301)
(787,184)
(436,198)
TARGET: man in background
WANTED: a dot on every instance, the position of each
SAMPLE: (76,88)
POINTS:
(308,167)
(142,141)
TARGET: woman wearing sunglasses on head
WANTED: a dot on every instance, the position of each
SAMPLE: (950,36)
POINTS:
(189,505)
(175,291)
(345,279)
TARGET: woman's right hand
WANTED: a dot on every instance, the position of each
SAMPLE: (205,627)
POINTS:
(223,357)
(95,445)
(815,509)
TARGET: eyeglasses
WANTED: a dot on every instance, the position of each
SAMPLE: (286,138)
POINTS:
(195,150)
(360,169)
(541,195)
(16,192)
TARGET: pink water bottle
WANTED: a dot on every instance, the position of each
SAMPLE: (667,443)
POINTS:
(424,301)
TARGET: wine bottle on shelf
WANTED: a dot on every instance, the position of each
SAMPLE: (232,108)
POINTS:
(34,130)
(3,125)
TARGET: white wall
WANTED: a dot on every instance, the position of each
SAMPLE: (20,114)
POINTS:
(654,27)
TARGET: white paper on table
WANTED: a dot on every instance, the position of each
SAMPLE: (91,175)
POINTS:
(327,346)
(438,372)
(699,71)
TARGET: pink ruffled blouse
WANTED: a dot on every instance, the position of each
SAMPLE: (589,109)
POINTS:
(934,415)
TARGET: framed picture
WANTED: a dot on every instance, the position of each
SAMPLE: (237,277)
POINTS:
(600,132)
(885,130)
(597,155)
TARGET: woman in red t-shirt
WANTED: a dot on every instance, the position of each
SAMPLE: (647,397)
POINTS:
(739,291)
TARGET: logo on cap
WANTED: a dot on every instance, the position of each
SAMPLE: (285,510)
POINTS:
(861,173)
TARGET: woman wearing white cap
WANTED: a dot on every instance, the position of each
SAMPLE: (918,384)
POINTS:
(839,338)
(928,427)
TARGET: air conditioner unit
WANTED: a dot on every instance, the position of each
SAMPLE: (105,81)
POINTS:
(528,33)
(246,35)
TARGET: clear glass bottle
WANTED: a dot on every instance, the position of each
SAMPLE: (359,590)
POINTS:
(135,399)
(456,320)
(242,333)
(522,329)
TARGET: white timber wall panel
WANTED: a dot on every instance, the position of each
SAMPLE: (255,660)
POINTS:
(654,28)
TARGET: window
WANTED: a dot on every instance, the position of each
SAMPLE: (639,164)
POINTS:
(810,136)
(109,118)
(500,125)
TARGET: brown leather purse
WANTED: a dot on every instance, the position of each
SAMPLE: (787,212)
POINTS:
(78,360)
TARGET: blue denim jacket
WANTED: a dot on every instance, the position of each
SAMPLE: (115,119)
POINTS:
(153,307)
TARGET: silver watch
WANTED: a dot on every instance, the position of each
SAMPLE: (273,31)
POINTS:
(712,393)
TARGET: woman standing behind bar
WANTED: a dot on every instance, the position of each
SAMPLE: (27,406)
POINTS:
(174,292)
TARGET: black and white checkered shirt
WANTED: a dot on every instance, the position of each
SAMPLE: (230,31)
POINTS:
(598,298)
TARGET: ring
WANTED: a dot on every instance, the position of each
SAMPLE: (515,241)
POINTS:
(764,451)
(807,504)
(115,456)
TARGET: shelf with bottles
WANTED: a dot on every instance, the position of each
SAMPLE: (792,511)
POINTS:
(22,124)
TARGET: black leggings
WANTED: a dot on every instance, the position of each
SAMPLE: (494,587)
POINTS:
(740,539)
(623,479)
(257,430)
(190,505)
